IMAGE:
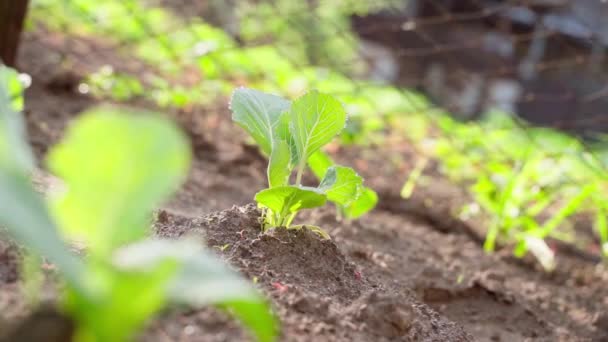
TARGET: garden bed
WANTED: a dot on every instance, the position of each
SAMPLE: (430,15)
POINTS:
(389,276)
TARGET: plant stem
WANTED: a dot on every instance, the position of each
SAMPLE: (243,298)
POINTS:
(290,219)
(299,174)
(491,236)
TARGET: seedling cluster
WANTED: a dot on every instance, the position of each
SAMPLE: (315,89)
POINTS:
(292,134)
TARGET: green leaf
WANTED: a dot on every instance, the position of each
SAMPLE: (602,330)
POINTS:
(319,162)
(364,203)
(202,279)
(279,167)
(290,199)
(22,211)
(256,315)
(315,120)
(105,317)
(572,206)
(14,151)
(342,185)
(13,88)
(259,114)
(24,216)
(282,131)
(117,168)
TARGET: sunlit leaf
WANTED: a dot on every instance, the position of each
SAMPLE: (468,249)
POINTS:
(364,203)
(202,279)
(315,120)
(105,316)
(290,199)
(22,211)
(319,162)
(279,167)
(342,185)
(117,169)
(258,113)
(24,216)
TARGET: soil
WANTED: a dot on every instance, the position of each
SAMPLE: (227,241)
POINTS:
(394,275)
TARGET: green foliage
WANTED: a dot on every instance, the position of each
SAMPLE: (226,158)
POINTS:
(13,148)
(284,202)
(106,82)
(259,114)
(528,182)
(342,185)
(292,134)
(365,200)
(315,119)
(117,168)
(109,200)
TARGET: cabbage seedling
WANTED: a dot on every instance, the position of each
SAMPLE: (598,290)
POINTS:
(292,134)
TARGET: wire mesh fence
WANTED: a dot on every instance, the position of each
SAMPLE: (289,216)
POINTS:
(509,96)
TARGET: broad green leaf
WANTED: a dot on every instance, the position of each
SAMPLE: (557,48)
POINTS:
(342,185)
(282,131)
(105,317)
(117,168)
(24,215)
(258,113)
(290,199)
(601,222)
(279,167)
(315,120)
(364,203)
(202,279)
(14,151)
(319,162)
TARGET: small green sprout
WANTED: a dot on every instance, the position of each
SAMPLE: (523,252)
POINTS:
(292,135)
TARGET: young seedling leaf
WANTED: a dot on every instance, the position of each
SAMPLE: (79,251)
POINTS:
(282,131)
(363,204)
(319,162)
(117,168)
(342,185)
(292,133)
(201,280)
(315,120)
(258,113)
(285,200)
(279,166)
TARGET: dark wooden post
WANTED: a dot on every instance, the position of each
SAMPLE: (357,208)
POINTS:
(12,16)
